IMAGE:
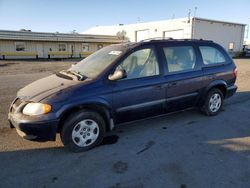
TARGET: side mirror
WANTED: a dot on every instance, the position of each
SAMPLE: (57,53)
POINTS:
(117,75)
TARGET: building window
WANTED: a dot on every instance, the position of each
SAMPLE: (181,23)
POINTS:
(99,46)
(85,47)
(20,46)
(62,47)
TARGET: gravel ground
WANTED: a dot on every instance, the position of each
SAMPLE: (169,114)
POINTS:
(185,149)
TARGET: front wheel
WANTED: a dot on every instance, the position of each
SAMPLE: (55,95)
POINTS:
(213,102)
(83,131)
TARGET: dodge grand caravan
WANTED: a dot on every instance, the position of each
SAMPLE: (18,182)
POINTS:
(122,83)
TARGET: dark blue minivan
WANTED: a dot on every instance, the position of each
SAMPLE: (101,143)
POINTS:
(122,83)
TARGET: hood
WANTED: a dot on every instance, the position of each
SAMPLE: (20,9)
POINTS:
(44,87)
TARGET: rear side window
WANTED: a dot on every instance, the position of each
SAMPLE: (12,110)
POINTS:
(211,55)
(181,58)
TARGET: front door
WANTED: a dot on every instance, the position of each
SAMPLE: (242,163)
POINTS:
(140,94)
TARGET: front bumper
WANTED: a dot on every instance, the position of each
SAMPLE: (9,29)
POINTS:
(230,91)
(34,130)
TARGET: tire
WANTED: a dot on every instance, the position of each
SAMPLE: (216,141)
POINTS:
(213,102)
(83,131)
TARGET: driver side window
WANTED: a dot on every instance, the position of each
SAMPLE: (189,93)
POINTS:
(141,63)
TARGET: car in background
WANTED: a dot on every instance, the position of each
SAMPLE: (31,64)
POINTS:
(247,52)
(122,83)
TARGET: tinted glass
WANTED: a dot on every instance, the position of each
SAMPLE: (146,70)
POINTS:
(141,63)
(180,58)
(211,55)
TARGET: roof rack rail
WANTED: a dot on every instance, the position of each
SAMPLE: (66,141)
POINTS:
(198,40)
(172,39)
(156,38)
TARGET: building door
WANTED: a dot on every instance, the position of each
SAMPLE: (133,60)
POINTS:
(141,35)
(71,50)
(39,50)
(175,34)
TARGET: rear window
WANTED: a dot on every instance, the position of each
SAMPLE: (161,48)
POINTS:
(211,55)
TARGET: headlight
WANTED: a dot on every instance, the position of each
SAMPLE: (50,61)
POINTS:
(34,109)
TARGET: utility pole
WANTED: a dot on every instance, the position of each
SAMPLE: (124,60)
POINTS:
(247,31)
(189,14)
(193,22)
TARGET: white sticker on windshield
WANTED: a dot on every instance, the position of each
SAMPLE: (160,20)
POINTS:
(115,52)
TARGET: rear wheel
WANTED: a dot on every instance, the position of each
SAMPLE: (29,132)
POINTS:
(83,131)
(213,102)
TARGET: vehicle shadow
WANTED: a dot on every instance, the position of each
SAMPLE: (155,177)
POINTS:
(180,147)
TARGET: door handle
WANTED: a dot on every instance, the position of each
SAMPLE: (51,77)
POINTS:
(172,84)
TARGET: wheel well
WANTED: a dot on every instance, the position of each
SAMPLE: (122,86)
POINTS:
(103,111)
(222,88)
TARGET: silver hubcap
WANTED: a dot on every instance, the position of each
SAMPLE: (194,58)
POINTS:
(215,102)
(85,133)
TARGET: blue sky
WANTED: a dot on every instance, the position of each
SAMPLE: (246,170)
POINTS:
(68,15)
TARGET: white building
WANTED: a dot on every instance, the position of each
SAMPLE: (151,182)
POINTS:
(27,44)
(229,35)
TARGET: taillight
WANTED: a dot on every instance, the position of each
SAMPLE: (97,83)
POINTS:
(235,71)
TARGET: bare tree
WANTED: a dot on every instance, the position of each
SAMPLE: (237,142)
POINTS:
(122,35)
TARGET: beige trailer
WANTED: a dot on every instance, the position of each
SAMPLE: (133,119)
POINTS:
(27,44)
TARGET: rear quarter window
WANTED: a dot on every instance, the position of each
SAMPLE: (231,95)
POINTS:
(212,55)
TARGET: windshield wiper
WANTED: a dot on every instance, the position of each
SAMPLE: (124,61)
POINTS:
(59,74)
(77,74)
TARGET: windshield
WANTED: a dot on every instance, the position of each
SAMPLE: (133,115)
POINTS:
(95,64)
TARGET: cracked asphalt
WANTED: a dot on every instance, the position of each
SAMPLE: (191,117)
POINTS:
(185,149)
